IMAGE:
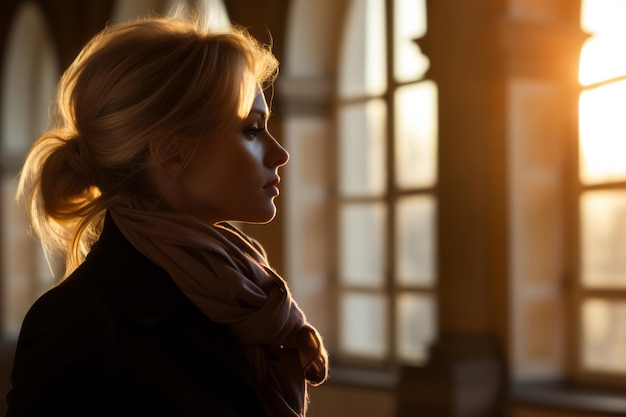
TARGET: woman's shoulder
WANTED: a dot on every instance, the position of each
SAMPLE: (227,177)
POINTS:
(73,303)
(114,282)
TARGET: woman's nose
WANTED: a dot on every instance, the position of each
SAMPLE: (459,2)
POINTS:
(276,155)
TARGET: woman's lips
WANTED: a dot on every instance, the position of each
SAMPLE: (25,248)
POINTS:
(272,186)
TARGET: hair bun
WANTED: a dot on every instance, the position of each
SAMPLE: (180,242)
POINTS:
(81,159)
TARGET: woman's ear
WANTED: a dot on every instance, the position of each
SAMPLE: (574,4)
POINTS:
(165,158)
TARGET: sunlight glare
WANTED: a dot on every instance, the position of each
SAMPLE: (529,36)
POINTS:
(602,130)
(602,56)
(602,108)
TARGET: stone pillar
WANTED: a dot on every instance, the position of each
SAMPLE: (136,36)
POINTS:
(474,48)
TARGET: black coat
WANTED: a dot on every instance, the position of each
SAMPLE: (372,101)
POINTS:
(118,338)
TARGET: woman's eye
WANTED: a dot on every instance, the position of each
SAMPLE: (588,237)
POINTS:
(254,131)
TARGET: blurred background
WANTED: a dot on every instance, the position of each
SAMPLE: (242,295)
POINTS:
(453,216)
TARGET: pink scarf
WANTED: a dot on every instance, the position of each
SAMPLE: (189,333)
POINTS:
(227,276)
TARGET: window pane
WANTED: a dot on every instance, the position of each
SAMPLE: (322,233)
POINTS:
(409,24)
(215,13)
(603,15)
(362,148)
(416,135)
(416,326)
(601,57)
(363,324)
(362,244)
(362,64)
(602,132)
(415,231)
(604,335)
(603,238)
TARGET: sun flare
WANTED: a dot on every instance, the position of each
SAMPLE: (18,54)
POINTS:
(602,105)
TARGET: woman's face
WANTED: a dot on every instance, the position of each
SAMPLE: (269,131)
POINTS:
(233,178)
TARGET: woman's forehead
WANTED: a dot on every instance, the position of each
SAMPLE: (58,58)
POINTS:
(259,105)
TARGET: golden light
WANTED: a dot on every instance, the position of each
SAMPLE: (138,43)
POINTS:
(602,130)
(602,106)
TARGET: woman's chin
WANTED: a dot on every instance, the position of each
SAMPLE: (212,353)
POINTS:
(261,217)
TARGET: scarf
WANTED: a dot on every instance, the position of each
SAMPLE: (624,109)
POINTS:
(227,276)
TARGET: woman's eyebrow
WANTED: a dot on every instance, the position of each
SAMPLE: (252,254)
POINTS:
(261,112)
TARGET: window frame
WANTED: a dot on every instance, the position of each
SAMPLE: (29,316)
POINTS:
(579,293)
(390,198)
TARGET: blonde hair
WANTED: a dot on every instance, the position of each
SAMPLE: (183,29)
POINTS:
(165,80)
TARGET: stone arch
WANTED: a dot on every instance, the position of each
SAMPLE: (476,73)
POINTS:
(29,77)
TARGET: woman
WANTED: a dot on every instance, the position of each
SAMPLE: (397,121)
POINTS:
(167,310)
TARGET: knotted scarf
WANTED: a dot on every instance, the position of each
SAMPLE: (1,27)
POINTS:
(227,276)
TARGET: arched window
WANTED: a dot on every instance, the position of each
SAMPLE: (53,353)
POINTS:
(29,78)
(600,297)
(386,185)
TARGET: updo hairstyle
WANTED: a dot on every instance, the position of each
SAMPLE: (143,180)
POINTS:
(165,81)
